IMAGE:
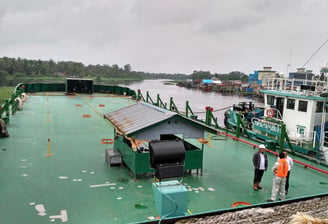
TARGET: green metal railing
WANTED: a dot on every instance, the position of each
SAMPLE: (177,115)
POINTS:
(210,119)
(11,104)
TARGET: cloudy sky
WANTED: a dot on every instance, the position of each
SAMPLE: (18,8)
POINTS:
(173,36)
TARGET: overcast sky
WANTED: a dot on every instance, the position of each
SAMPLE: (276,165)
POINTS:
(173,36)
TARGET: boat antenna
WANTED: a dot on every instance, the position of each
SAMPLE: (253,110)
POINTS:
(290,61)
(315,52)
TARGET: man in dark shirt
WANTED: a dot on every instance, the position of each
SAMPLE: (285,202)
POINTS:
(260,163)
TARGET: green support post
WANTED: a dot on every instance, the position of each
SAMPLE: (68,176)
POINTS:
(238,125)
(208,116)
(215,119)
(158,101)
(5,110)
(149,99)
(284,136)
(173,107)
(139,96)
(243,126)
(187,109)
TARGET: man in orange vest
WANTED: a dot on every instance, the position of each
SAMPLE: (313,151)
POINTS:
(280,171)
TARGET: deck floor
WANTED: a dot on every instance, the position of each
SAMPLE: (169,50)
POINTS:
(77,179)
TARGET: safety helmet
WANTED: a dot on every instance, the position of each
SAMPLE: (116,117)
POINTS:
(262,146)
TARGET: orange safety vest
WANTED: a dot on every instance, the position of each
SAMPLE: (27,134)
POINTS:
(282,169)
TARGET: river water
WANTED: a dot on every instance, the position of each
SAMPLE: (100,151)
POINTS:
(198,99)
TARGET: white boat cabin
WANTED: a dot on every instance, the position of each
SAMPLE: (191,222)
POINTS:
(300,105)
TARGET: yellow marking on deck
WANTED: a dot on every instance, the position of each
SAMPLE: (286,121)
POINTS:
(47,107)
(49,151)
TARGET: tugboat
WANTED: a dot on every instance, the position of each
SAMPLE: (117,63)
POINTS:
(294,117)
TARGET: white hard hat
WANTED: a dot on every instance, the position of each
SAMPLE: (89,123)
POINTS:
(262,146)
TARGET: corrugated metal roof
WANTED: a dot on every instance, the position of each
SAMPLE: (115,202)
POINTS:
(137,116)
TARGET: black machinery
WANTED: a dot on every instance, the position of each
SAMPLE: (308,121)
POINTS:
(167,158)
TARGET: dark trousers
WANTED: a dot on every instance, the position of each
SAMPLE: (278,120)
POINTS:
(287,182)
(258,174)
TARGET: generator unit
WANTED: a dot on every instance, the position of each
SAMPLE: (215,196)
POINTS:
(167,158)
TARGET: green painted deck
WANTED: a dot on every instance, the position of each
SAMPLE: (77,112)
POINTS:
(77,179)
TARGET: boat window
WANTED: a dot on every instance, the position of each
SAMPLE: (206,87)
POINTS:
(270,100)
(291,104)
(319,107)
(302,106)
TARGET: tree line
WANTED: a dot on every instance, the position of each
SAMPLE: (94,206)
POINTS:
(235,75)
(26,68)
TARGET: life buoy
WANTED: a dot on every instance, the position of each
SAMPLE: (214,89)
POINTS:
(270,112)
(107,141)
(238,203)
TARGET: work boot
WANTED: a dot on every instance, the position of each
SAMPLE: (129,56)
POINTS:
(258,186)
(255,187)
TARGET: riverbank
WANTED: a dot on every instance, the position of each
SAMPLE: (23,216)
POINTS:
(14,80)
(5,93)
(227,87)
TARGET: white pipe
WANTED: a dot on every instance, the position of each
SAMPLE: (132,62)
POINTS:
(3,126)
(24,97)
(20,103)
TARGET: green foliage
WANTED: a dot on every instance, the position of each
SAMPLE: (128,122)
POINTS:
(127,68)
(232,76)
(223,77)
(201,75)
(13,71)
(3,77)
(5,93)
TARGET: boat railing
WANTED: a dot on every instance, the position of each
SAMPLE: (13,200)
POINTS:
(303,86)
(242,116)
(11,105)
(325,139)
(302,138)
(268,127)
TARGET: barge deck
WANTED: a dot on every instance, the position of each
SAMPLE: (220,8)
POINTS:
(76,185)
